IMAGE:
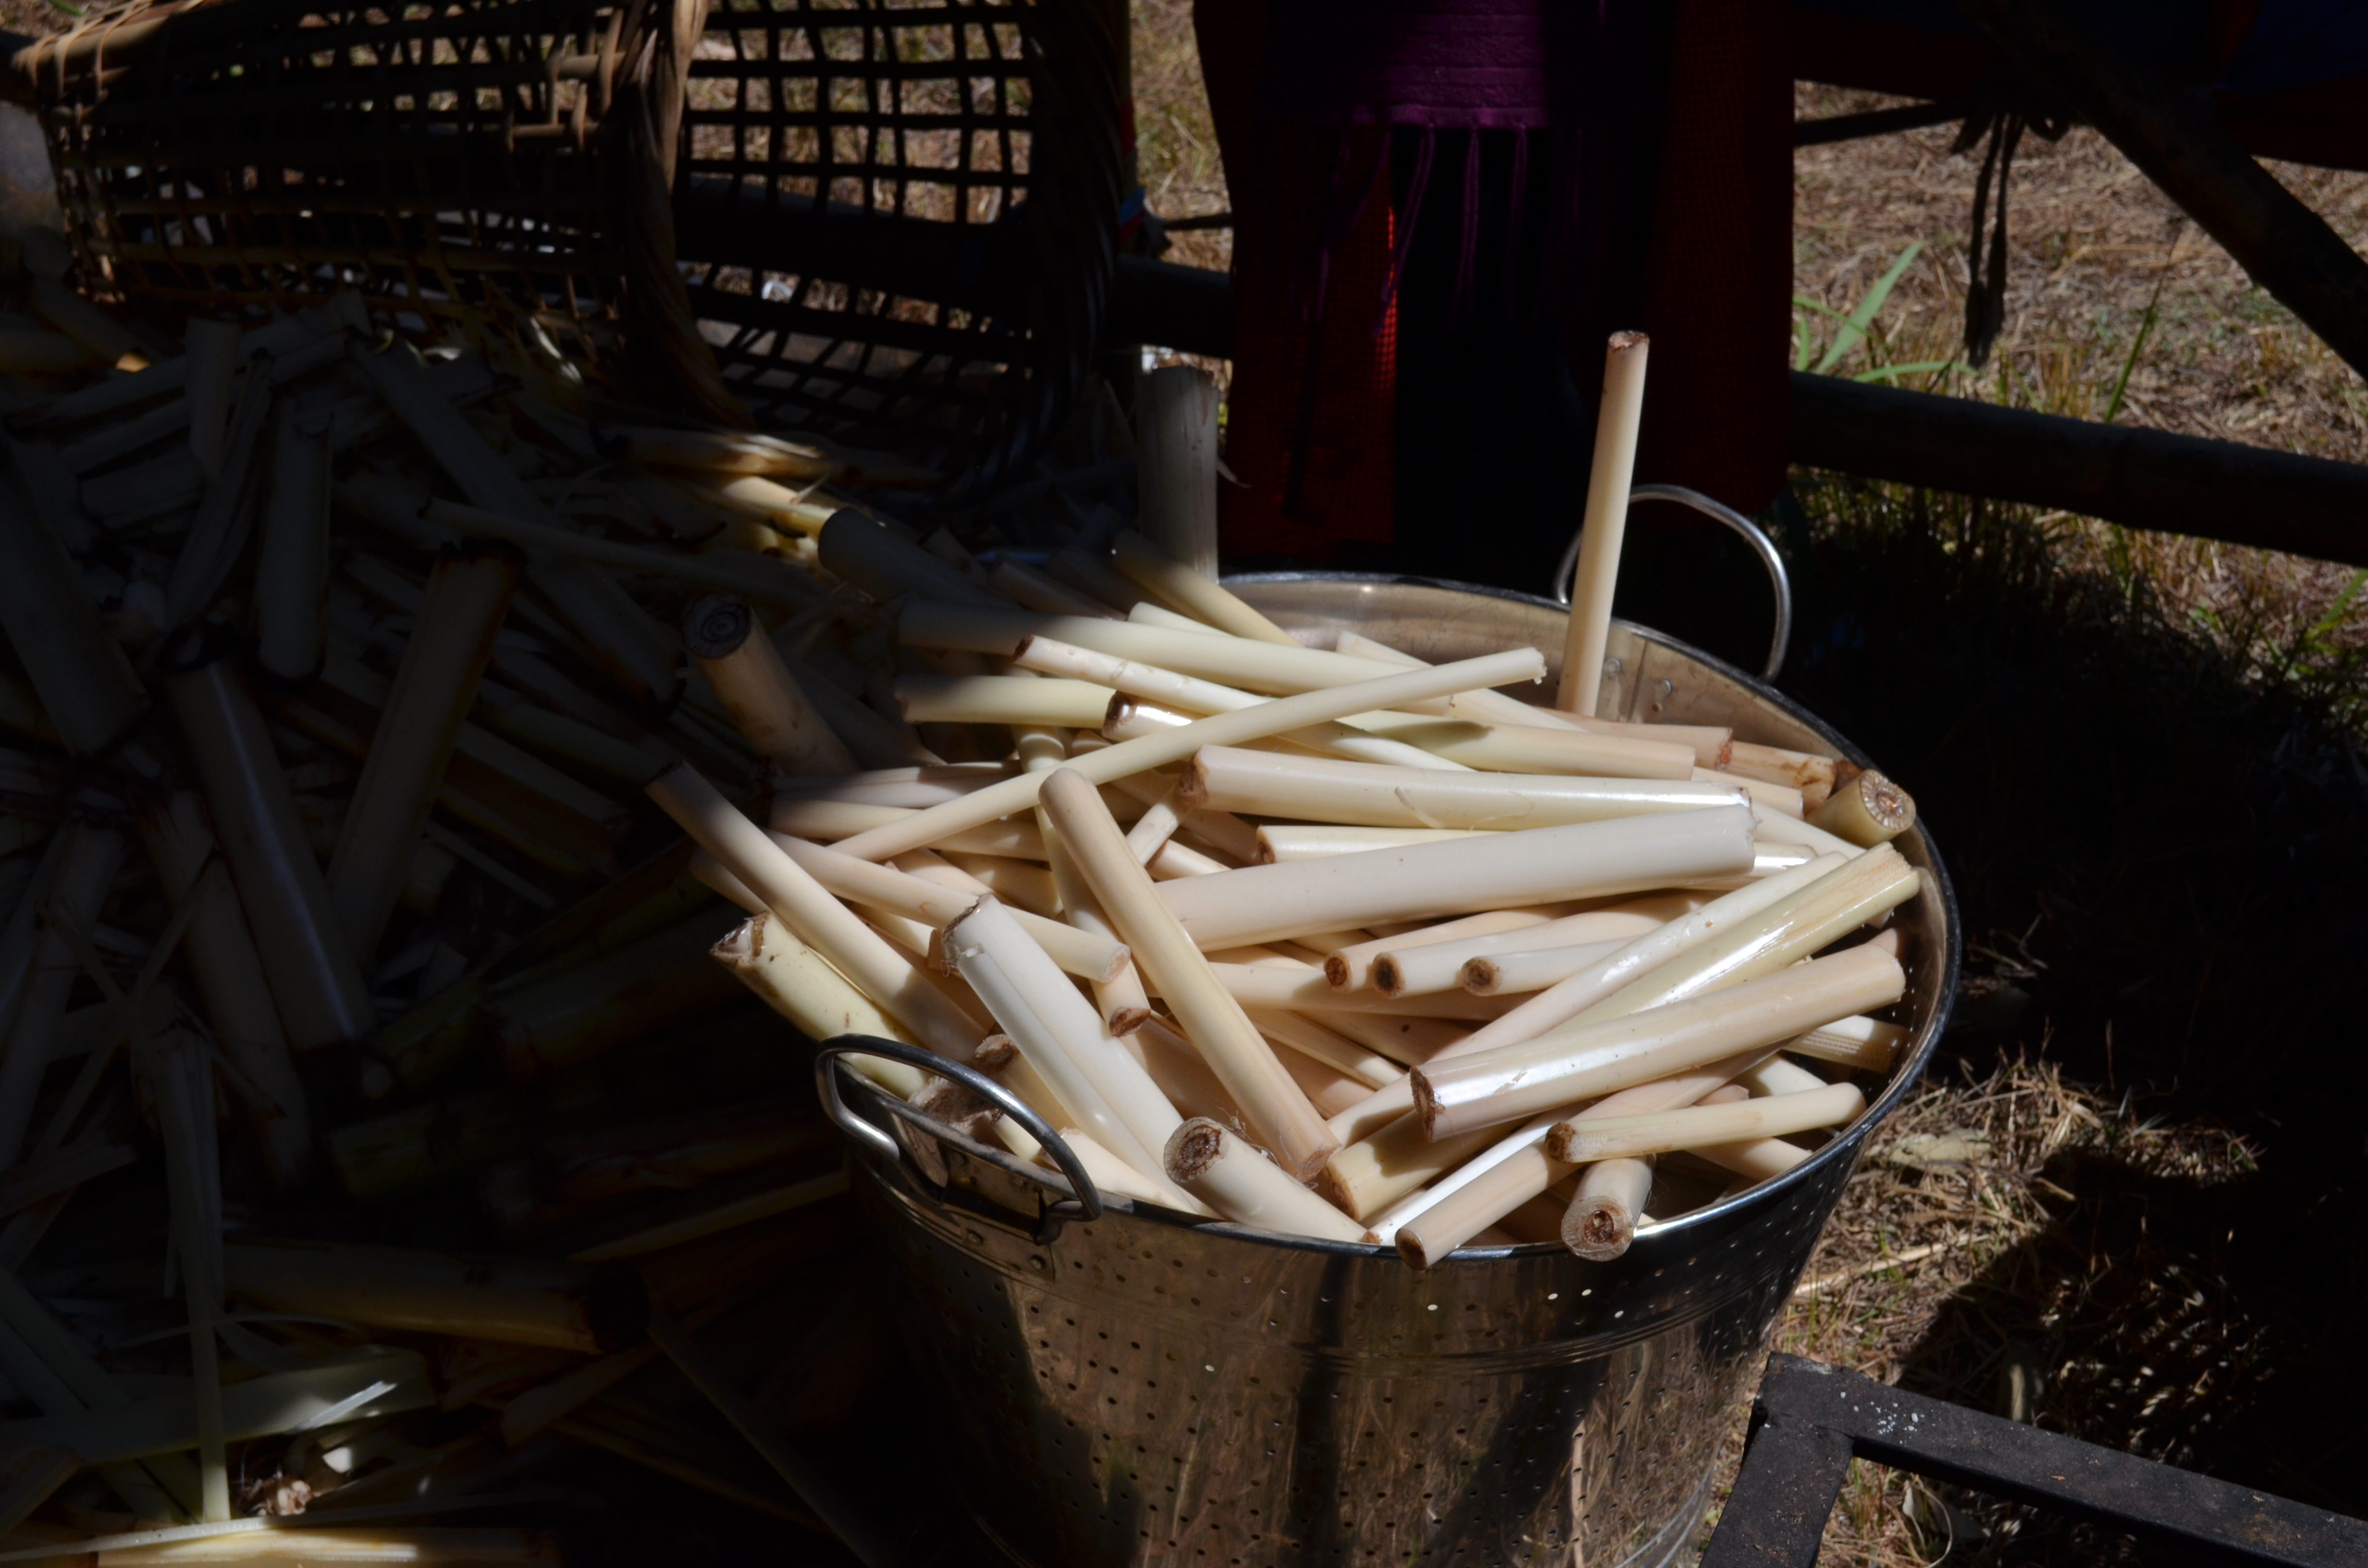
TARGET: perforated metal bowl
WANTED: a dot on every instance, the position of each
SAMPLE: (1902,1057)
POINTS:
(1139,1388)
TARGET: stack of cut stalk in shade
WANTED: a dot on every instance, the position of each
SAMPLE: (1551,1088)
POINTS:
(363,704)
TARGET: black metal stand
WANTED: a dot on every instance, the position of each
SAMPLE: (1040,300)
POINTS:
(1812,1419)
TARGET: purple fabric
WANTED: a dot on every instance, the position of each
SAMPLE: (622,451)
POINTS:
(1469,64)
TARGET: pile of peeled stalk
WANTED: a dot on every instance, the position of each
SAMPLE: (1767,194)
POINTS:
(439,802)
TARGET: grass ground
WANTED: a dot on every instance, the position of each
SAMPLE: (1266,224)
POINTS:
(2140,756)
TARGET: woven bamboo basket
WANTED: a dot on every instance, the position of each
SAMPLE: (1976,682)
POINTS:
(897,217)
(885,221)
(444,161)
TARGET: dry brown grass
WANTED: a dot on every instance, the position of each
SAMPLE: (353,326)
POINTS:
(1176,139)
(2093,246)
(1963,1259)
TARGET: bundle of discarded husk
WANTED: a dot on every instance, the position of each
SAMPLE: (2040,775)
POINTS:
(440,802)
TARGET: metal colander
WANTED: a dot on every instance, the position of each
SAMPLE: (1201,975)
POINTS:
(1131,1387)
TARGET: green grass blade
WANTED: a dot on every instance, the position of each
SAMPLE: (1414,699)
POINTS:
(1854,325)
(1889,372)
(2121,382)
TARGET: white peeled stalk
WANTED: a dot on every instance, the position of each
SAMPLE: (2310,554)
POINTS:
(935,904)
(811,913)
(794,981)
(292,568)
(1532,748)
(1306,990)
(1001,699)
(999,630)
(1780,799)
(1330,1047)
(1860,1043)
(1617,419)
(1470,1208)
(1485,1088)
(1439,966)
(1281,841)
(1064,1022)
(231,982)
(85,873)
(1783,829)
(1172,860)
(1601,1219)
(434,688)
(1350,968)
(1776,936)
(767,705)
(1173,745)
(1327,1088)
(831,822)
(1258,904)
(1176,464)
(1132,719)
(1192,587)
(1384,1226)
(1060,1034)
(876,740)
(1115,1177)
(1277,1111)
(107,340)
(1124,1003)
(1230,834)
(1023,883)
(1694,1127)
(1182,1075)
(1154,828)
(1648,953)
(1145,612)
(1247,1187)
(1356,793)
(1531,969)
(1153,693)
(1866,808)
(1808,772)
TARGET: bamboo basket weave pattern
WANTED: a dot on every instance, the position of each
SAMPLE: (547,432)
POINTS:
(441,159)
(895,217)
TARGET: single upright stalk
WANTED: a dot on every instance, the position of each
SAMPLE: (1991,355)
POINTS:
(1616,424)
(1175,465)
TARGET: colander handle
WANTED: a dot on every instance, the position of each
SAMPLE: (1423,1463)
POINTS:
(1751,534)
(1082,1192)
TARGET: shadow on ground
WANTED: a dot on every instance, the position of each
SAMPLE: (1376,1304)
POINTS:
(2158,841)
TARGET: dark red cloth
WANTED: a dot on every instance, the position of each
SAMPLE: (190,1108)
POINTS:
(1325,393)
(1718,276)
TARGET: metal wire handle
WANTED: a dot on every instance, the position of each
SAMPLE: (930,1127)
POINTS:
(1753,535)
(1085,1195)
